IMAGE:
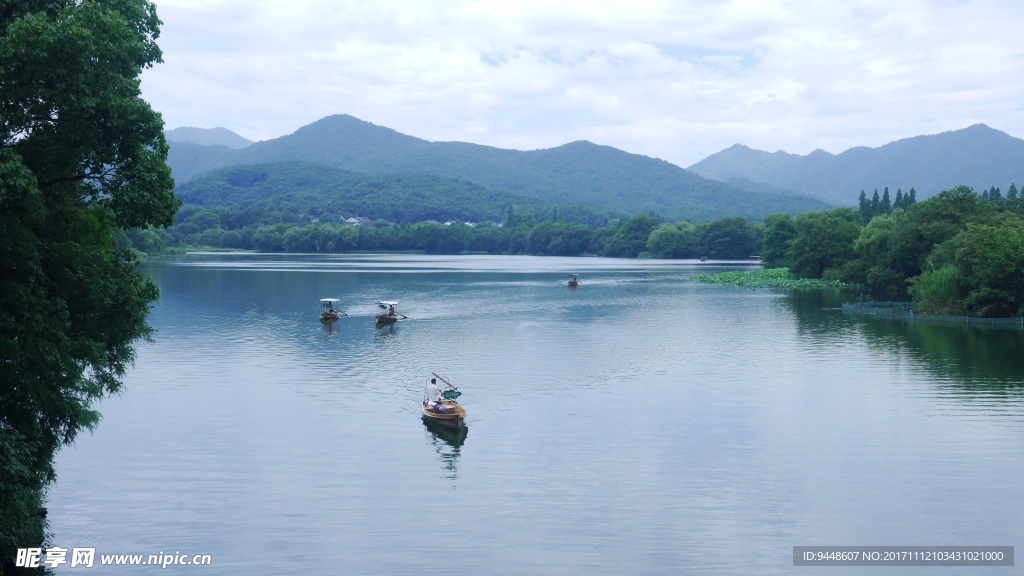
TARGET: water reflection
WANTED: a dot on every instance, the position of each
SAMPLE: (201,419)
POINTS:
(979,360)
(818,312)
(447,442)
(329,327)
(454,437)
(970,360)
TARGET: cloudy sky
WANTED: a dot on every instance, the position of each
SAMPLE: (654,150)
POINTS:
(677,80)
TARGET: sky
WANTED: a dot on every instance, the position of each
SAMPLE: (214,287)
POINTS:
(676,80)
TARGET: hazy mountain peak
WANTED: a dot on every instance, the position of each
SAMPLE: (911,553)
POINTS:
(207,137)
(343,130)
(583,146)
(977,156)
(343,121)
(982,127)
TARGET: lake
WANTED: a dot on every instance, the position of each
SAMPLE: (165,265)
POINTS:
(639,424)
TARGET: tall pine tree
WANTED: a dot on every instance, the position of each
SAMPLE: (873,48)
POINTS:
(864,207)
(886,205)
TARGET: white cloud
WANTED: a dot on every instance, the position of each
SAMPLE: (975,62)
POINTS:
(675,80)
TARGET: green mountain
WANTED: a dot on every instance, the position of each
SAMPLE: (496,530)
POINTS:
(300,191)
(977,156)
(579,173)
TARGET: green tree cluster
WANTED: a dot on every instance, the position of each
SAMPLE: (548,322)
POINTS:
(955,253)
(978,272)
(823,243)
(82,157)
(725,238)
(878,206)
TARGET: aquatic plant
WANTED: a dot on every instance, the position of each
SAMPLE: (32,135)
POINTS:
(769,278)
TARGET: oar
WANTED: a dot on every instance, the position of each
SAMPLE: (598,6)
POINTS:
(445,380)
(402,315)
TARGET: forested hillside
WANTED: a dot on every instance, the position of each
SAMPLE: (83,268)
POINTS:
(297,191)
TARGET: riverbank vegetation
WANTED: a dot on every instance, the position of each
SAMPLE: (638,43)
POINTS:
(955,253)
(519,232)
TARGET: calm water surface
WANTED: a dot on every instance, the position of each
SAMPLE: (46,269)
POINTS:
(640,424)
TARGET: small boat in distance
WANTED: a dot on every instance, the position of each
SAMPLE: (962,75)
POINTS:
(388,314)
(331,311)
(574,280)
(445,410)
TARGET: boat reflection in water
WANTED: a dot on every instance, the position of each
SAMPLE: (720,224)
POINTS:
(454,437)
(329,328)
(385,331)
(447,442)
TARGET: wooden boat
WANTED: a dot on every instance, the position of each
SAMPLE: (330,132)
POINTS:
(331,311)
(574,280)
(446,412)
(388,313)
(453,418)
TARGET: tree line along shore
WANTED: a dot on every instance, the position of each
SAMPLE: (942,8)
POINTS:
(958,252)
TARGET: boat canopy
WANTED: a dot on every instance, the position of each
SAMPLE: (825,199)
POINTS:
(385,303)
(329,301)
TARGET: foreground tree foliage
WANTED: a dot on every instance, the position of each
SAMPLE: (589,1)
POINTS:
(82,156)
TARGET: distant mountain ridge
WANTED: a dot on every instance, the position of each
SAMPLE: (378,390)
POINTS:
(207,137)
(578,173)
(977,156)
